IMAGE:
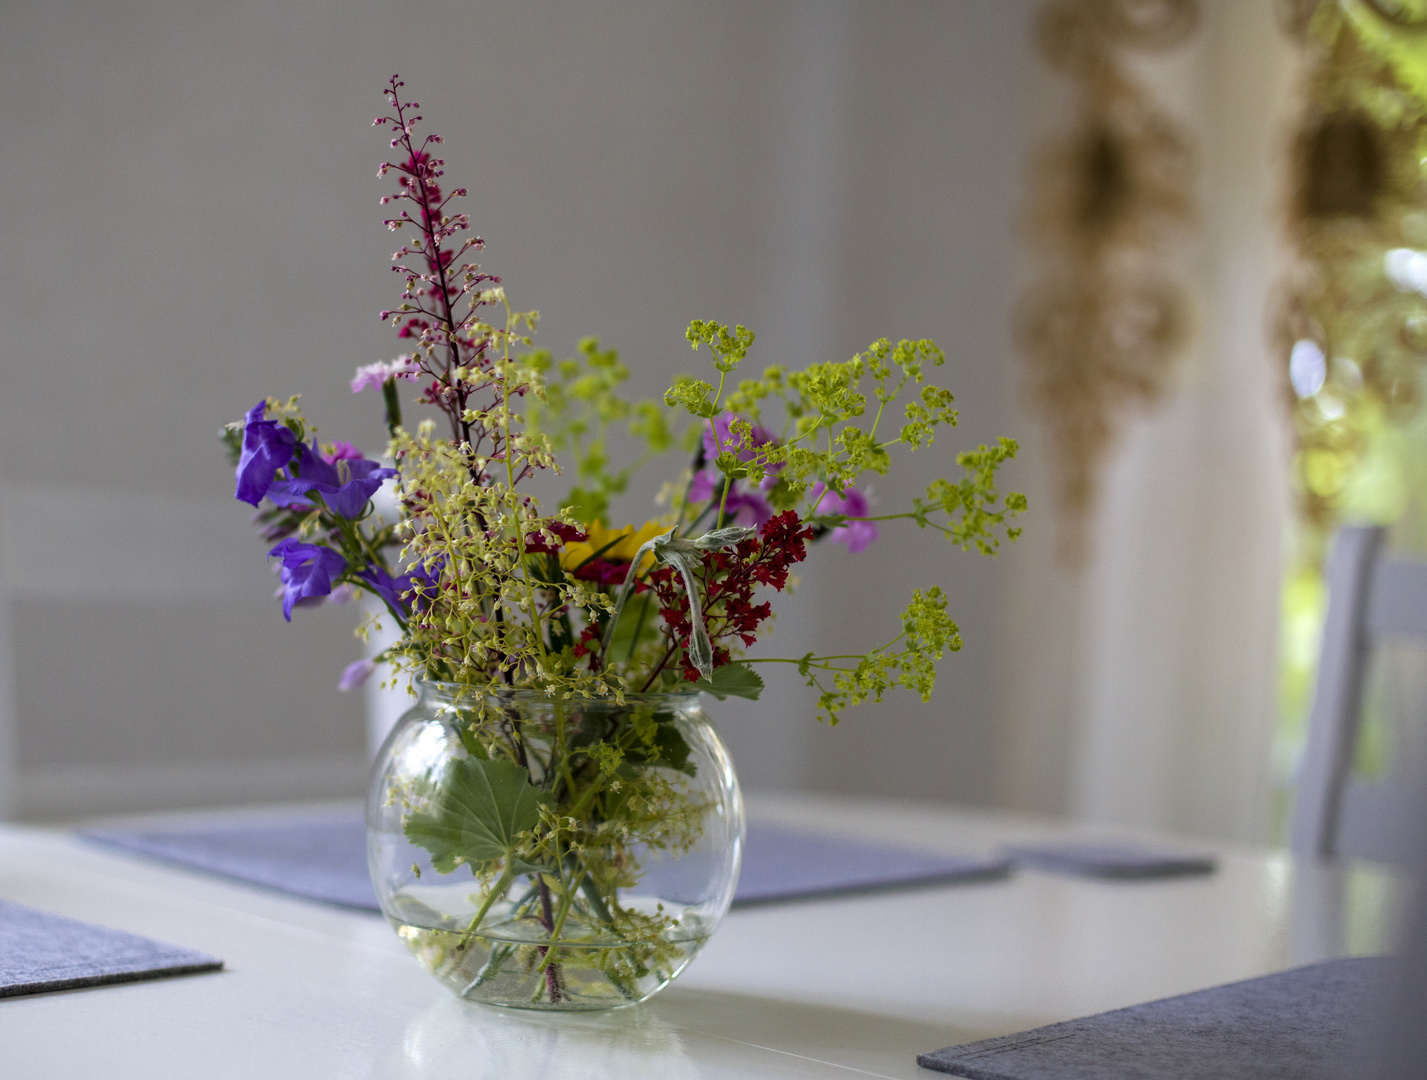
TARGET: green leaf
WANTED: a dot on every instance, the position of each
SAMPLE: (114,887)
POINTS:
(478,810)
(661,744)
(733,680)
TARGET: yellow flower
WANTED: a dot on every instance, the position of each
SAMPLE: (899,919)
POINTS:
(614,545)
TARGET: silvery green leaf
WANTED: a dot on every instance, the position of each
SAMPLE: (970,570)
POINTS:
(685,558)
(628,587)
(684,555)
(731,536)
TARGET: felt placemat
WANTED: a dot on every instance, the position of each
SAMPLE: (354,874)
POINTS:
(1303,1024)
(316,855)
(782,864)
(324,857)
(40,952)
(1116,859)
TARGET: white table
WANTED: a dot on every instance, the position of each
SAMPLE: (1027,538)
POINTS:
(830,989)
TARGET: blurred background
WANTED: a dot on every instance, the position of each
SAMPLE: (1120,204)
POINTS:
(192,223)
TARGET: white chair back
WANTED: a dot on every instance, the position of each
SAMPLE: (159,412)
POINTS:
(1371,598)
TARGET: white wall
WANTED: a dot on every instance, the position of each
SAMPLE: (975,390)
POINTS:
(190,223)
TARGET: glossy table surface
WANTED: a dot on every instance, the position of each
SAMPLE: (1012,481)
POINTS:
(835,988)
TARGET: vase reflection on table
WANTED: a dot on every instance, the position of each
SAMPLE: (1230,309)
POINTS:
(521,871)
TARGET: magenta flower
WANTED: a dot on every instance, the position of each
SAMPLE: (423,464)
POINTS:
(307,572)
(341,451)
(744,507)
(267,447)
(746,451)
(345,484)
(855,534)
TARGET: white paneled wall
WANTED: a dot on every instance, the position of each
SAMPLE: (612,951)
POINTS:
(127,665)
(191,223)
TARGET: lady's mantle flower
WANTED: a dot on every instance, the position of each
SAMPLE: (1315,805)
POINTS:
(267,447)
(855,534)
(307,572)
(345,484)
(403,367)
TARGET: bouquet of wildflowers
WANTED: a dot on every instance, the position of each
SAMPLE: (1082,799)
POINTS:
(491,592)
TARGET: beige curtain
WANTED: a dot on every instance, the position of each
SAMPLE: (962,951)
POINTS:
(1140,690)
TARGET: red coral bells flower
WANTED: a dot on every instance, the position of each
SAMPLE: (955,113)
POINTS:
(787,536)
(588,644)
(729,579)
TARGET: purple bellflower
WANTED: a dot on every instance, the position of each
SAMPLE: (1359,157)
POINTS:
(307,572)
(387,587)
(855,534)
(267,447)
(345,484)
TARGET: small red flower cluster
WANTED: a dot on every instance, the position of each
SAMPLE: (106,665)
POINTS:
(537,544)
(729,579)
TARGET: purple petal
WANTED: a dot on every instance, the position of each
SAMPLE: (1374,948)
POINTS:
(747,451)
(386,586)
(267,447)
(307,572)
(348,499)
(702,487)
(745,508)
(312,471)
(357,673)
(855,534)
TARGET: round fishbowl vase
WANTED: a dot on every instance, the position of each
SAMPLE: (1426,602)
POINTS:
(545,854)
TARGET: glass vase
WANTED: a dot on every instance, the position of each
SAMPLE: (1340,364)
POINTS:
(546,854)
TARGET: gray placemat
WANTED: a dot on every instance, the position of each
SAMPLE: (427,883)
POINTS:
(781,865)
(319,856)
(324,857)
(40,952)
(1303,1024)
(1116,859)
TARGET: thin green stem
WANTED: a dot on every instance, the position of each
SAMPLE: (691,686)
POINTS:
(536,618)
(497,890)
(723,503)
(821,661)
